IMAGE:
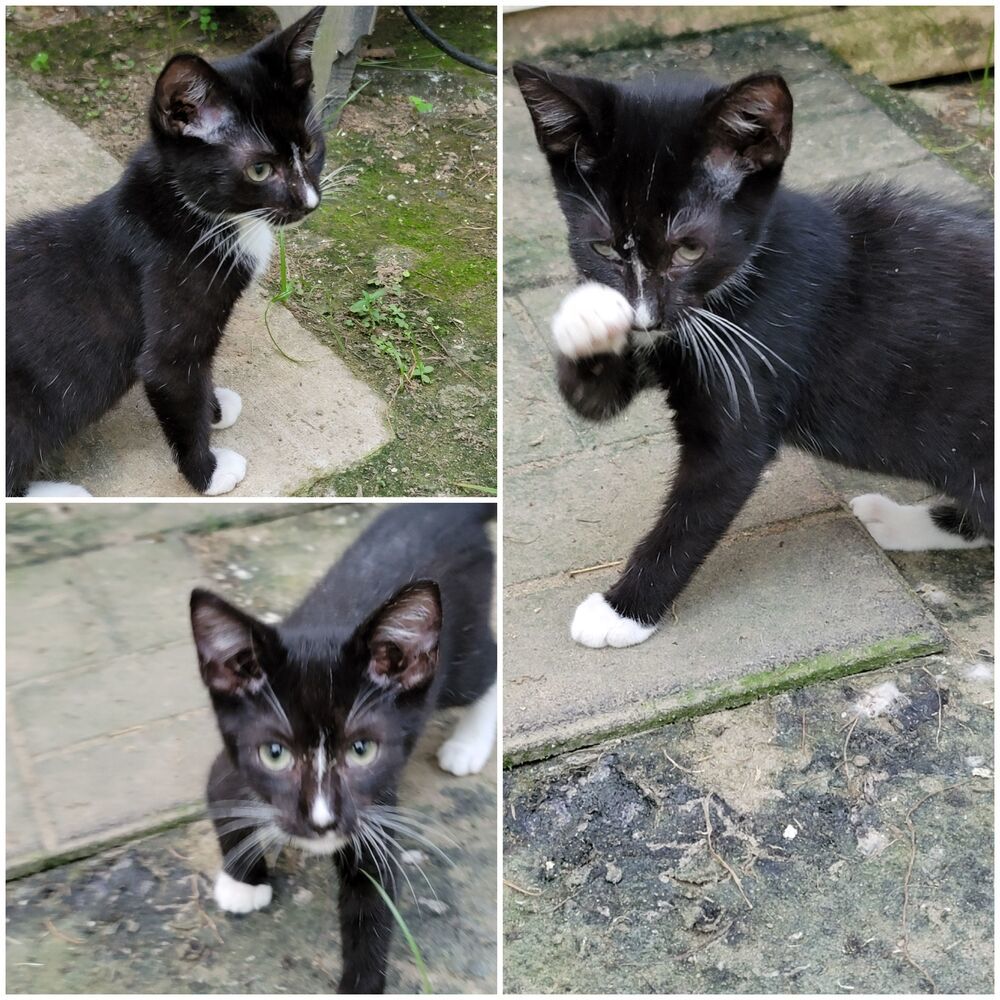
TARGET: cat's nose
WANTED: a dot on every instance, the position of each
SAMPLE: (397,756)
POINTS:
(305,196)
(646,314)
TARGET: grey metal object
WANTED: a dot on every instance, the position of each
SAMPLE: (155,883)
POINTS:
(336,50)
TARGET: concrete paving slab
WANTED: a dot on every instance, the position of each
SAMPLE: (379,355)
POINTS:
(299,421)
(38,533)
(36,598)
(604,522)
(130,782)
(133,690)
(765,612)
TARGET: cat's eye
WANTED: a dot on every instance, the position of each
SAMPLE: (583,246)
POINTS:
(275,756)
(309,149)
(605,250)
(688,254)
(362,752)
(258,172)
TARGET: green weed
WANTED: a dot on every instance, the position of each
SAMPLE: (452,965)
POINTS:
(209,26)
(40,64)
(405,931)
(421,106)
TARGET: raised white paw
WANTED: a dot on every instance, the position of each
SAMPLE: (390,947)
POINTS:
(906,529)
(592,319)
(597,624)
(461,757)
(240,897)
(230,405)
(58,490)
(230,469)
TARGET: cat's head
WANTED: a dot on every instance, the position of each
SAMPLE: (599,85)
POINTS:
(319,726)
(665,186)
(241,134)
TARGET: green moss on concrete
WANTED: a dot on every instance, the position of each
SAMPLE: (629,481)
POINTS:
(742,690)
(43,862)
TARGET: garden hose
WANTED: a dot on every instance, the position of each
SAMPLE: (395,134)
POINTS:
(447,47)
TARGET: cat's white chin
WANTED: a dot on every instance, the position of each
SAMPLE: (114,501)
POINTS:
(240,897)
(899,528)
(230,407)
(329,843)
(64,491)
(596,624)
(592,319)
(230,469)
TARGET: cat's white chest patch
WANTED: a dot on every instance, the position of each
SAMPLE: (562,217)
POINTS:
(255,244)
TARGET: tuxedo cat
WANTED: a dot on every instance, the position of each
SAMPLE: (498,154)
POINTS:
(856,324)
(139,283)
(318,715)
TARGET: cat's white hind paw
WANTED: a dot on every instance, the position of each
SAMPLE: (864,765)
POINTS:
(230,468)
(597,624)
(460,758)
(469,747)
(56,490)
(240,897)
(906,529)
(592,319)
(230,406)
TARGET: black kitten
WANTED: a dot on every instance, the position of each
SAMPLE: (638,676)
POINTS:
(319,714)
(140,282)
(857,324)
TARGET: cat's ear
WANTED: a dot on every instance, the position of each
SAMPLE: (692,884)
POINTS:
(230,644)
(190,99)
(571,114)
(295,46)
(402,637)
(749,124)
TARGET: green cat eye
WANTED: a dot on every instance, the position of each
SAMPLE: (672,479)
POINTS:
(309,149)
(258,172)
(605,250)
(362,752)
(688,255)
(275,757)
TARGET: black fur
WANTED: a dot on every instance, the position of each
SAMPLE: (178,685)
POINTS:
(870,309)
(327,658)
(126,287)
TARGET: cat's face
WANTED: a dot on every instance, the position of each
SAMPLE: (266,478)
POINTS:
(320,729)
(242,135)
(665,187)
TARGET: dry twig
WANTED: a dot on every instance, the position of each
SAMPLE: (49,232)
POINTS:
(718,857)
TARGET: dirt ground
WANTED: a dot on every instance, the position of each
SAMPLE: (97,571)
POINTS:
(396,271)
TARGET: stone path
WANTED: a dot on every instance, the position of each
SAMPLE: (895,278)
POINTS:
(299,421)
(109,738)
(800,587)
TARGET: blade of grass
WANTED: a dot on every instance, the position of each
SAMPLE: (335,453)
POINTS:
(283,294)
(476,488)
(404,930)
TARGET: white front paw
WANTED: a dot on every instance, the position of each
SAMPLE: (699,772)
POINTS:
(230,406)
(240,897)
(55,490)
(230,469)
(592,319)
(461,757)
(597,624)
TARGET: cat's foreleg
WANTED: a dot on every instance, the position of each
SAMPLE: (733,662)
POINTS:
(470,745)
(706,495)
(595,368)
(242,884)
(180,392)
(365,922)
